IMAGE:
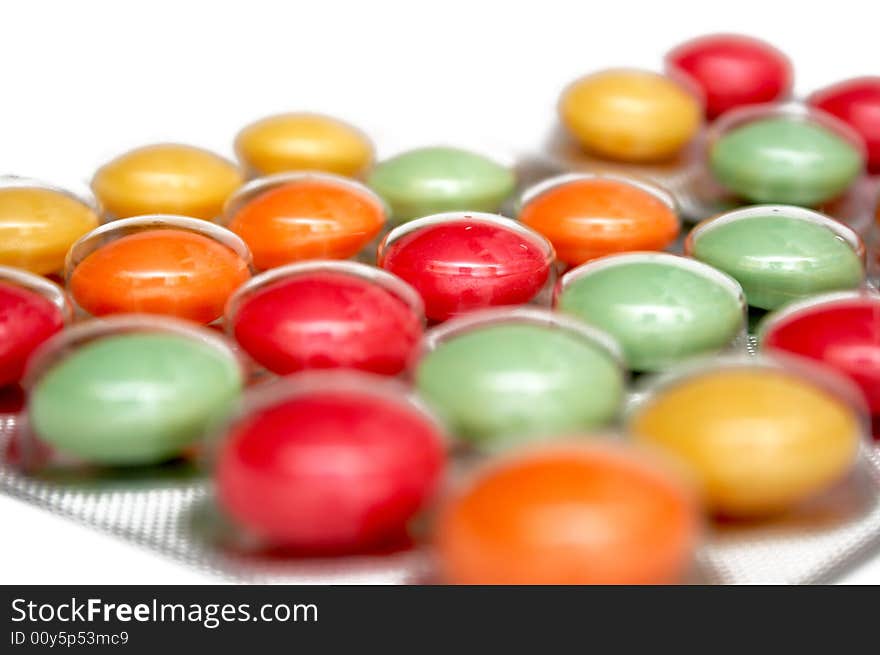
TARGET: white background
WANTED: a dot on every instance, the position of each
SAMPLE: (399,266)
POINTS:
(82,81)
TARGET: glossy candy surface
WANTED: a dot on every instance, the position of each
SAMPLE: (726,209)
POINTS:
(168,270)
(427,181)
(733,70)
(792,159)
(462,262)
(135,398)
(597,514)
(630,115)
(516,377)
(306,217)
(660,308)
(841,330)
(166,178)
(331,469)
(303,142)
(779,254)
(759,439)
(327,316)
(857,103)
(27,319)
(38,224)
(586,217)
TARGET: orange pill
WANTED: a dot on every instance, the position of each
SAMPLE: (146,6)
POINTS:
(570,514)
(157,266)
(292,217)
(587,216)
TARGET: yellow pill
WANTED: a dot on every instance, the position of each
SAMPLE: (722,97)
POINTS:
(38,224)
(760,440)
(297,142)
(166,179)
(630,115)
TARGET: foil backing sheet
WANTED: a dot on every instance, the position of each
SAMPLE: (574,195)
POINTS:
(171,512)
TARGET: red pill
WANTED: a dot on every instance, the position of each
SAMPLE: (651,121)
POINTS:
(840,329)
(329,462)
(460,262)
(318,315)
(857,103)
(32,309)
(732,70)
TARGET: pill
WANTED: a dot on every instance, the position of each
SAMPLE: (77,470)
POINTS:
(759,436)
(572,514)
(505,376)
(840,329)
(130,390)
(166,178)
(303,142)
(327,315)
(292,217)
(32,309)
(857,103)
(787,154)
(39,222)
(660,308)
(335,463)
(586,216)
(434,180)
(169,265)
(463,261)
(732,70)
(780,253)
(630,115)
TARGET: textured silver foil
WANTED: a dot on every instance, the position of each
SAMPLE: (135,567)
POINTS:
(171,512)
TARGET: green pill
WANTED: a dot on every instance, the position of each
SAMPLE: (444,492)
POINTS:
(780,253)
(660,308)
(133,398)
(785,159)
(520,375)
(435,180)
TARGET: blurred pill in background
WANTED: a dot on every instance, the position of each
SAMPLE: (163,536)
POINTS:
(166,178)
(761,435)
(328,462)
(839,329)
(130,390)
(32,309)
(505,376)
(39,222)
(290,217)
(439,179)
(780,253)
(857,103)
(327,315)
(169,265)
(303,142)
(661,308)
(597,513)
(784,153)
(630,115)
(589,215)
(463,261)
(732,70)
